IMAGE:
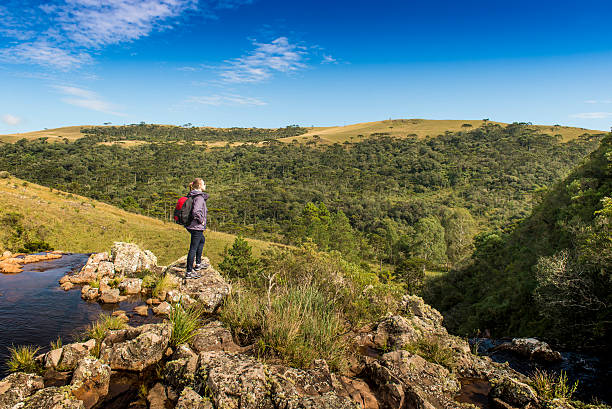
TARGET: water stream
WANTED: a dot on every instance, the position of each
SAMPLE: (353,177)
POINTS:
(34,310)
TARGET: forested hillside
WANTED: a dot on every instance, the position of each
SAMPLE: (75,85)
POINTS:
(384,198)
(550,276)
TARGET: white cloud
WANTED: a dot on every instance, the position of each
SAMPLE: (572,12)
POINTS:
(44,53)
(11,120)
(226,99)
(328,59)
(266,59)
(85,98)
(592,115)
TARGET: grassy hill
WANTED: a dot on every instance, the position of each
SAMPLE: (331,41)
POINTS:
(78,224)
(419,128)
(401,128)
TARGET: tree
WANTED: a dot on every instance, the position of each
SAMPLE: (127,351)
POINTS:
(238,261)
(459,230)
(411,272)
(428,241)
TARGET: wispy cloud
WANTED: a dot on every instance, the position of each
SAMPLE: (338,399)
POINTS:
(328,59)
(264,60)
(225,99)
(85,98)
(592,115)
(11,120)
(65,33)
(594,101)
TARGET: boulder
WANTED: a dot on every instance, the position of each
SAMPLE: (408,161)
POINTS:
(89,271)
(135,349)
(189,399)
(67,286)
(213,336)
(73,353)
(128,258)
(18,386)
(52,358)
(110,296)
(157,397)
(106,269)
(514,392)
(131,286)
(173,296)
(180,371)
(403,380)
(52,398)
(394,332)
(142,310)
(414,306)
(89,293)
(531,348)
(163,309)
(90,381)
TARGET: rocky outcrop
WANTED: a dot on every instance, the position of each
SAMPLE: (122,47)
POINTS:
(90,272)
(131,286)
(515,393)
(51,398)
(207,292)
(135,349)
(67,357)
(18,386)
(213,336)
(530,348)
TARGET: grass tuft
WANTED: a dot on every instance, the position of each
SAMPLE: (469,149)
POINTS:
(100,328)
(550,386)
(165,284)
(57,344)
(22,359)
(185,323)
(433,351)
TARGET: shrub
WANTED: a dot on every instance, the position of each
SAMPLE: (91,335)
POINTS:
(433,351)
(185,323)
(22,359)
(4,174)
(550,386)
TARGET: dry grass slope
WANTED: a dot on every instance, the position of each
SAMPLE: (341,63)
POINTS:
(55,135)
(78,224)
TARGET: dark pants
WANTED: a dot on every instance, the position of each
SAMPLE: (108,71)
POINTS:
(195,248)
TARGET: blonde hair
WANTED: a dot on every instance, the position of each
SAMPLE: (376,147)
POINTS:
(198,184)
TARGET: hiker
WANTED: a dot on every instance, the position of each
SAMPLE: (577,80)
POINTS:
(196,228)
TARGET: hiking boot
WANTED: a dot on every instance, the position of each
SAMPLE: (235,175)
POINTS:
(199,267)
(192,275)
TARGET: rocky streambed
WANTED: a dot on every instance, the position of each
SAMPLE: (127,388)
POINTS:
(138,367)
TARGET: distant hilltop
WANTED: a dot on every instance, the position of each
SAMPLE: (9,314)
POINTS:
(419,128)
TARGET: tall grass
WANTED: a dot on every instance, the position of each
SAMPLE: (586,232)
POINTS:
(550,386)
(22,359)
(185,323)
(99,329)
(301,325)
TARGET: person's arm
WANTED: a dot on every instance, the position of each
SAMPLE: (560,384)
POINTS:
(198,209)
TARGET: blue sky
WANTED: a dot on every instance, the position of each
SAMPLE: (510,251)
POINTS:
(274,63)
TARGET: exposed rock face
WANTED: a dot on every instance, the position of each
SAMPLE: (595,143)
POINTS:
(90,381)
(531,348)
(89,293)
(51,398)
(407,380)
(207,292)
(128,258)
(214,337)
(238,381)
(191,400)
(18,386)
(135,349)
(70,355)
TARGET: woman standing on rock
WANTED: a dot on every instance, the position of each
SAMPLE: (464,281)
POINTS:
(196,228)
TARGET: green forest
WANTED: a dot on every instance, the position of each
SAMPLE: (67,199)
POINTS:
(460,203)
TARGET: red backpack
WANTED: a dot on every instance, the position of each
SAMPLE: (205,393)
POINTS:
(182,211)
